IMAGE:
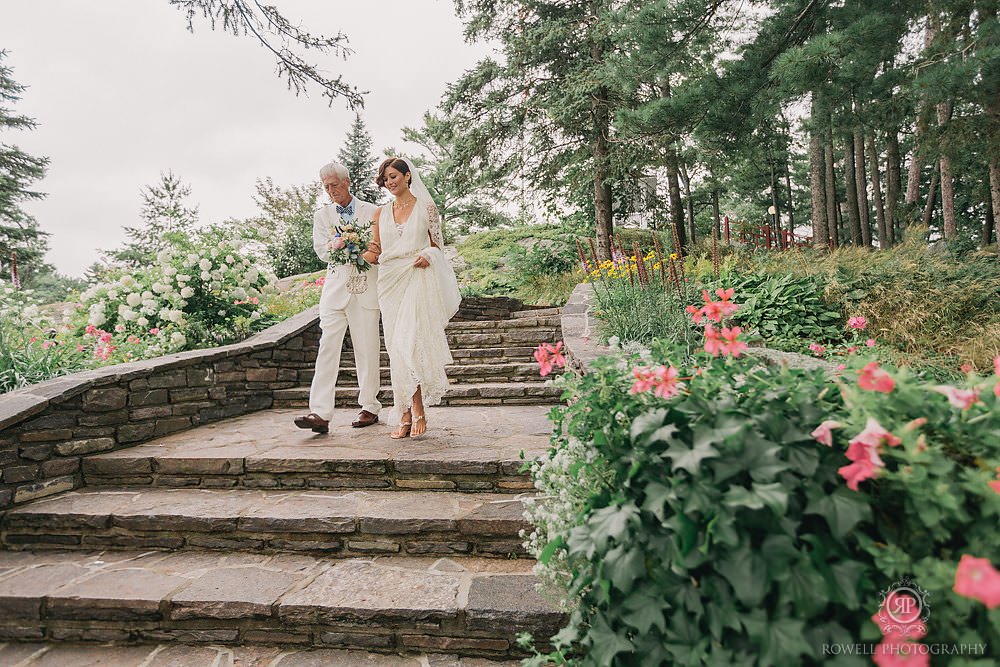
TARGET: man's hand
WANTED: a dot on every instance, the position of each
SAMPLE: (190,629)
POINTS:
(421,263)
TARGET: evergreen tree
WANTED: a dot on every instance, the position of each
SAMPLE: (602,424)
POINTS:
(19,231)
(165,217)
(357,156)
(284,228)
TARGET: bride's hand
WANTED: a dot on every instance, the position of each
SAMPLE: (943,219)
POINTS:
(421,263)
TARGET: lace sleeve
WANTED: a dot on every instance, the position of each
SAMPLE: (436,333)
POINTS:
(434,226)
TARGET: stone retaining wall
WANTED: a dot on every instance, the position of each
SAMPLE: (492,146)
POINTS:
(47,427)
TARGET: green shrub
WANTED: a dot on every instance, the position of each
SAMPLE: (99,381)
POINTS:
(786,309)
(713,528)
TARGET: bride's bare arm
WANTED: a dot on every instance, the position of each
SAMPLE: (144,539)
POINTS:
(375,247)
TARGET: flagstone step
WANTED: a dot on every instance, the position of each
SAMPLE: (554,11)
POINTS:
(528,337)
(528,320)
(464,373)
(473,449)
(464,356)
(52,654)
(464,605)
(485,393)
(537,312)
(337,523)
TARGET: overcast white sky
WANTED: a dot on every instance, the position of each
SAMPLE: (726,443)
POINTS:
(121,91)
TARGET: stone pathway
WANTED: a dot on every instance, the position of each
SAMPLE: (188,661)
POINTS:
(248,541)
(181,655)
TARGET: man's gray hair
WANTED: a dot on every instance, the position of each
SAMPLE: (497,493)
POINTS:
(334,169)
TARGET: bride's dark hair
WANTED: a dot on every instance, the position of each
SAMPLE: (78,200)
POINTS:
(399,164)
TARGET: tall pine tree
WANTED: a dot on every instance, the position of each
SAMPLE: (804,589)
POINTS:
(165,216)
(19,231)
(357,156)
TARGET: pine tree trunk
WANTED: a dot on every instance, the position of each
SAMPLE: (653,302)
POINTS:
(883,232)
(861,182)
(949,227)
(776,218)
(931,200)
(716,218)
(791,200)
(893,222)
(817,186)
(689,204)
(995,190)
(676,210)
(603,222)
(853,214)
(923,118)
(989,228)
(831,190)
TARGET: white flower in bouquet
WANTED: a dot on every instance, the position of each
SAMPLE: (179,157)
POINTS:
(187,292)
(133,299)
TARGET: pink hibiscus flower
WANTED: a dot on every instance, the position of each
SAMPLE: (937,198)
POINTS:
(873,378)
(976,578)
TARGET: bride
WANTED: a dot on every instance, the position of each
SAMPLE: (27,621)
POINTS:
(417,293)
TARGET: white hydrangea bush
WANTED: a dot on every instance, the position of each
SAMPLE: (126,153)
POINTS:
(565,478)
(202,293)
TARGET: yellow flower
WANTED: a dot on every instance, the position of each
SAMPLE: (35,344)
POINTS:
(673,255)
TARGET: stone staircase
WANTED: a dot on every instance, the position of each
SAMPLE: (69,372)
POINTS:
(494,364)
(251,537)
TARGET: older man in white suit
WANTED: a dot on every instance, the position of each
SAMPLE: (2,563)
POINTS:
(349,301)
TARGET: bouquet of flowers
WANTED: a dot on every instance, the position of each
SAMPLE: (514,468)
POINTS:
(348,241)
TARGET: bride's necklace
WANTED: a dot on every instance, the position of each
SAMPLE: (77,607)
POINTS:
(403,210)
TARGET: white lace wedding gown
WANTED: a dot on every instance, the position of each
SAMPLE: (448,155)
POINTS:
(416,304)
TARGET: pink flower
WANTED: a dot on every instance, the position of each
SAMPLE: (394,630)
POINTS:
(996,371)
(105,337)
(824,432)
(79,348)
(47,344)
(996,484)
(119,328)
(90,330)
(33,340)
(665,378)
(717,310)
(155,331)
(895,651)
(965,368)
(662,380)
(873,378)
(713,343)
(963,399)
(852,349)
(695,314)
(875,435)
(841,367)
(977,579)
(548,356)
(871,342)
(817,349)
(863,451)
(643,380)
(338,243)
(858,323)
(733,346)
(857,472)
